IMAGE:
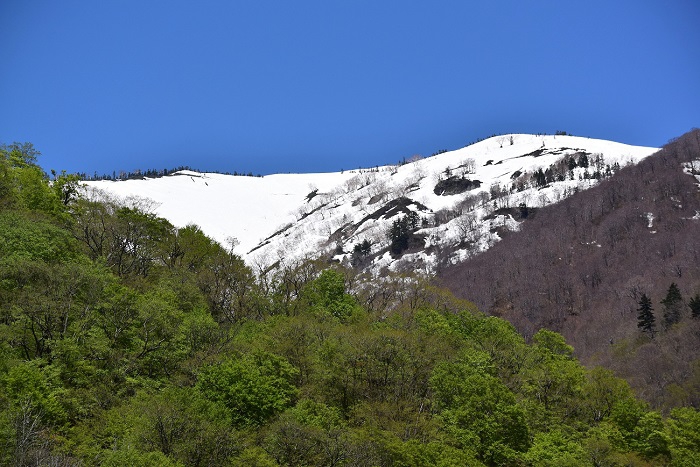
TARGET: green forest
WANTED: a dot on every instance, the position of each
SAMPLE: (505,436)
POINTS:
(127,341)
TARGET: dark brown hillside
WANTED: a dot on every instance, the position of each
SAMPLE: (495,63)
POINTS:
(580,267)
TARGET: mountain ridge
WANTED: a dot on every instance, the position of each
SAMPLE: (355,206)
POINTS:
(290,216)
(582,266)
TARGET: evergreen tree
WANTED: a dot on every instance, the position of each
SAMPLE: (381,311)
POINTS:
(360,251)
(540,178)
(583,161)
(366,247)
(646,320)
(672,305)
(399,234)
(694,305)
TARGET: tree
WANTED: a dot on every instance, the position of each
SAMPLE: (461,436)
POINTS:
(552,380)
(645,319)
(683,432)
(35,193)
(360,252)
(524,211)
(8,183)
(252,388)
(479,411)
(672,305)
(20,154)
(399,233)
(694,305)
(555,448)
(311,433)
(326,295)
(129,238)
(583,161)
(227,283)
(66,186)
(179,423)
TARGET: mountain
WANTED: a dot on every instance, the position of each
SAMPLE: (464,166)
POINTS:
(420,214)
(581,267)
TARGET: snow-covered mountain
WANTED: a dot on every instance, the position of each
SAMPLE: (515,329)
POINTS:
(453,204)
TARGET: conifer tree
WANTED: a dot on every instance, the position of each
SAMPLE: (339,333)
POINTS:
(399,234)
(694,305)
(672,305)
(646,321)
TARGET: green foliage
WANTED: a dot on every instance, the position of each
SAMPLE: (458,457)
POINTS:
(602,394)
(178,423)
(648,438)
(24,185)
(31,387)
(549,344)
(127,239)
(127,341)
(192,249)
(326,296)
(20,155)
(556,449)
(499,339)
(136,236)
(35,192)
(479,410)
(413,453)
(8,185)
(254,456)
(45,303)
(225,280)
(66,187)
(252,388)
(553,381)
(130,456)
(684,437)
(310,433)
(22,237)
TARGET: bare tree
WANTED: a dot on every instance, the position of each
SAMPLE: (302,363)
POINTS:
(468,166)
(466,224)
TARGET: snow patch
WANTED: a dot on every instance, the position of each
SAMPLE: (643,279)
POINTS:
(275,218)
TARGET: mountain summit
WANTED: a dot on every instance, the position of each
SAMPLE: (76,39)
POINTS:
(421,213)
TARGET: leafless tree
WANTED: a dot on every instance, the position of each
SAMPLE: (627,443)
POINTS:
(466,224)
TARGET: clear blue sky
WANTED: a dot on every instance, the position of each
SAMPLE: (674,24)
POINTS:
(310,86)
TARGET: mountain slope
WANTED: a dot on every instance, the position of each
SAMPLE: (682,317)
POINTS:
(462,200)
(581,266)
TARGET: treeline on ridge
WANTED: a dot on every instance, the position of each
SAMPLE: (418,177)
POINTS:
(139,174)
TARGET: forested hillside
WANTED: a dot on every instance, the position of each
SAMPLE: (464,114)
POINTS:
(127,341)
(584,266)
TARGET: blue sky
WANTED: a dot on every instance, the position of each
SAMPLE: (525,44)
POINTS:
(310,86)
